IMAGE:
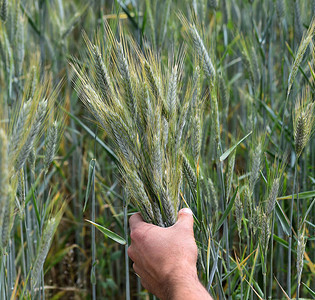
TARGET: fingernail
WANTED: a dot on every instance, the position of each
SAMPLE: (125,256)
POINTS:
(187,210)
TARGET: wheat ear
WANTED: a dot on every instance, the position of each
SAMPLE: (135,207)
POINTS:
(272,197)
(202,52)
(51,143)
(35,128)
(43,249)
(4,10)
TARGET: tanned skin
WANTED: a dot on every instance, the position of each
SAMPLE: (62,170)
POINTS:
(165,258)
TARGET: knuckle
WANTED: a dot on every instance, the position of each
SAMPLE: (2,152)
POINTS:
(136,235)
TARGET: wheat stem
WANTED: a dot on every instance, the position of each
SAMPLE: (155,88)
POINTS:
(291,231)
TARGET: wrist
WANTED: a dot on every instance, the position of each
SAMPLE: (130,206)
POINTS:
(181,283)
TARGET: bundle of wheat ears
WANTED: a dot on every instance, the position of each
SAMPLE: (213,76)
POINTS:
(143,109)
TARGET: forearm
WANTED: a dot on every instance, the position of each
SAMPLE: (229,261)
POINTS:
(189,288)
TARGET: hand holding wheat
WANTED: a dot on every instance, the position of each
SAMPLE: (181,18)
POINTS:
(165,258)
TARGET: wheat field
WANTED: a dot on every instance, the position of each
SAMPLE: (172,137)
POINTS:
(108,107)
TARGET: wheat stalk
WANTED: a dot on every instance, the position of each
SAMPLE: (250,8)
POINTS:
(255,168)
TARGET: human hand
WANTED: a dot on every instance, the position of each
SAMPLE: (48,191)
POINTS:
(165,258)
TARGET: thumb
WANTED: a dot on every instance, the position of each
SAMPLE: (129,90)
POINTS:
(185,219)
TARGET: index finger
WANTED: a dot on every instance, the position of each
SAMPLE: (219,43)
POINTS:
(135,220)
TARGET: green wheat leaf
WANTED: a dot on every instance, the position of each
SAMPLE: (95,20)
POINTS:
(227,211)
(309,290)
(112,235)
(230,150)
(303,195)
(283,219)
(89,184)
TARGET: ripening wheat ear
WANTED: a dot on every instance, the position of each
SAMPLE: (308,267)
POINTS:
(306,40)
(32,135)
(4,10)
(272,196)
(224,95)
(51,144)
(123,68)
(43,249)
(4,181)
(20,200)
(32,160)
(214,196)
(196,138)
(103,79)
(298,26)
(255,220)
(239,213)
(280,8)
(265,231)
(154,84)
(251,62)
(255,166)
(19,50)
(200,48)
(303,121)
(189,173)
(7,216)
(229,175)
(19,129)
(31,85)
(4,165)
(172,92)
(301,242)
(213,4)
(202,52)
(6,193)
